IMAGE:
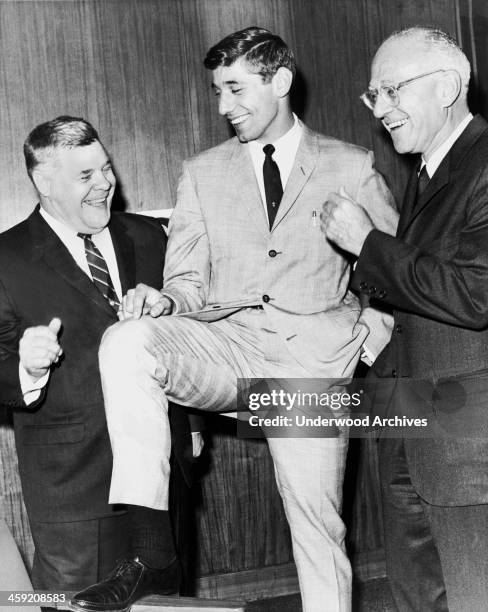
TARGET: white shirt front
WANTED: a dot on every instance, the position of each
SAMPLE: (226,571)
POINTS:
(441,151)
(76,247)
(284,155)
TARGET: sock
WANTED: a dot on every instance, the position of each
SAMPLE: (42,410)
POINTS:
(152,536)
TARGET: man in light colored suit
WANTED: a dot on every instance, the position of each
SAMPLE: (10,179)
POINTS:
(235,237)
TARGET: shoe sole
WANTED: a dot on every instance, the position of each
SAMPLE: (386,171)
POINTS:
(77,608)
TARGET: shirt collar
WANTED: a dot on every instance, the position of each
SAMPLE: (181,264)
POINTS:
(441,151)
(58,226)
(288,141)
(65,233)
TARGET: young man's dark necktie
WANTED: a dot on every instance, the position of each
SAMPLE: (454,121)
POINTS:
(272,183)
(99,271)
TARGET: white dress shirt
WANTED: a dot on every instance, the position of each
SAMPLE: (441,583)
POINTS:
(284,155)
(31,389)
(441,151)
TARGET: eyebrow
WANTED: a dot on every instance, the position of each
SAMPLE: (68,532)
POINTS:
(214,86)
(90,170)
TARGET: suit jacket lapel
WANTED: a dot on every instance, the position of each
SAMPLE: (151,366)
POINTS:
(303,167)
(124,253)
(436,183)
(408,203)
(243,180)
(48,247)
(442,175)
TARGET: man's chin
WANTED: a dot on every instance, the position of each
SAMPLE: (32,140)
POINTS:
(96,223)
(242,137)
(400,146)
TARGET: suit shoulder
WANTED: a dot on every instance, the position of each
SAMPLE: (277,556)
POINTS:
(328,144)
(220,152)
(137,223)
(15,237)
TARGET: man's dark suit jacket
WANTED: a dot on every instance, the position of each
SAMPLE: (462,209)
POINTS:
(62,441)
(435,276)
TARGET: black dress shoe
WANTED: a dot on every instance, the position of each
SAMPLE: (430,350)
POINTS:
(130,580)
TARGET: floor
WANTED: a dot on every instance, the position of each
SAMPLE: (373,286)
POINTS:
(370,596)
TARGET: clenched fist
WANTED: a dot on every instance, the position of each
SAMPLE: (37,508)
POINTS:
(345,222)
(39,348)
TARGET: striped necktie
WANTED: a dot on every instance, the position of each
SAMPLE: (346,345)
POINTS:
(99,271)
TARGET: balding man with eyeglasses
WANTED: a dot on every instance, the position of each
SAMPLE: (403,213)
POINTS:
(434,274)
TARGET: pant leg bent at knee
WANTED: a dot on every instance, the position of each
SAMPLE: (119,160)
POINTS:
(136,411)
(143,363)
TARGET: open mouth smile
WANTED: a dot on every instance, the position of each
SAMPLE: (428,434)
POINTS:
(394,125)
(239,120)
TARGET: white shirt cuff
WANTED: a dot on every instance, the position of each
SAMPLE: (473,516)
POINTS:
(367,356)
(31,388)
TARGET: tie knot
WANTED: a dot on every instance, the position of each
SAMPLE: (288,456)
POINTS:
(84,236)
(268,150)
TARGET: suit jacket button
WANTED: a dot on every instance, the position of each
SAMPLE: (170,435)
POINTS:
(363,285)
(266,298)
(382,294)
(393,373)
(272,253)
(372,290)
(399,328)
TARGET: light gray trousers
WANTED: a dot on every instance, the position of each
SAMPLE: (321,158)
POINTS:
(145,362)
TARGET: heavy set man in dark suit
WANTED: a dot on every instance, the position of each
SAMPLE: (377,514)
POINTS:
(434,274)
(62,275)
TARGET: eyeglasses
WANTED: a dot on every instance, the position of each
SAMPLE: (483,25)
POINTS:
(389,93)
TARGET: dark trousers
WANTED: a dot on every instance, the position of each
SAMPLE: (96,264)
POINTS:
(71,556)
(436,556)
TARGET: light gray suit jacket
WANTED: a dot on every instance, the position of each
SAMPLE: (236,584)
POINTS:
(220,248)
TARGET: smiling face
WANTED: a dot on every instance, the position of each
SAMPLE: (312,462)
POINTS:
(419,124)
(256,109)
(77,187)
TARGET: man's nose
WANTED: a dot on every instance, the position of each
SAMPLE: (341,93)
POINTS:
(102,182)
(226,103)
(381,107)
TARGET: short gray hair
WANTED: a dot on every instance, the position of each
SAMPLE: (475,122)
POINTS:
(441,48)
(64,132)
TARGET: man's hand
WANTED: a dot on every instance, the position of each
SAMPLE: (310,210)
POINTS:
(197,443)
(39,348)
(345,222)
(144,300)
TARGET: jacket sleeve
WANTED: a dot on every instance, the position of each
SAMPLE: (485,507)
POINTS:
(187,264)
(10,331)
(452,289)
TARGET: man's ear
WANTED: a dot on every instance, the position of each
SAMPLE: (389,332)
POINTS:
(42,182)
(282,81)
(449,87)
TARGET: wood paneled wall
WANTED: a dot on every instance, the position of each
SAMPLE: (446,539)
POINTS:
(134,69)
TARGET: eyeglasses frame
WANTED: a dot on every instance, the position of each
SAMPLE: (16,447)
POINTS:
(364,96)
